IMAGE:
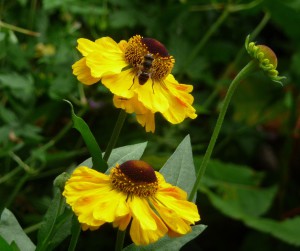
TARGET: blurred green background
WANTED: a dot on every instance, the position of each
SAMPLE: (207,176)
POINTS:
(250,196)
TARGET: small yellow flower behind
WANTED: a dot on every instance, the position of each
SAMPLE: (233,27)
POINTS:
(132,192)
(138,73)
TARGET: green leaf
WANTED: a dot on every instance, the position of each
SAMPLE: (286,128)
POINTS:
(56,225)
(287,230)
(179,170)
(169,244)
(21,86)
(120,155)
(11,231)
(238,187)
(98,163)
(4,246)
(125,153)
(219,173)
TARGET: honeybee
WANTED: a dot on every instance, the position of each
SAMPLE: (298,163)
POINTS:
(144,72)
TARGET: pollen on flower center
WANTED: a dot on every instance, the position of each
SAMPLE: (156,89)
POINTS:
(135,177)
(140,48)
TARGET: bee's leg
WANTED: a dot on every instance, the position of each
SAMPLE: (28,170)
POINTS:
(132,83)
(152,86)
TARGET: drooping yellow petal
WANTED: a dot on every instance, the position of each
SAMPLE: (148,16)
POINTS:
(122,222)
(187,210)
(143,115)
(119,84)
(146,226)
(153,95)
(146,120)
(180,101)
(111,206)
(174,221)
(83,73)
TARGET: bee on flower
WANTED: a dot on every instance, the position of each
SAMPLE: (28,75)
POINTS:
(138,73)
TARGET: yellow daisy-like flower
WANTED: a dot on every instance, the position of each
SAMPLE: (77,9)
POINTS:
(138,73)
(132,192)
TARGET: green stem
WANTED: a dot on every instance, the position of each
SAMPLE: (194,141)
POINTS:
(120,240)
(115,134)
(249,68)
(236,61)
(205,38)
(76,229)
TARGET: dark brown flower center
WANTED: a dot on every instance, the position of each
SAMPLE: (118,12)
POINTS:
(135,177)
(137,52)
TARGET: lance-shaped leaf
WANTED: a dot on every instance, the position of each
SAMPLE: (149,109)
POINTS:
(78,123)
(12,233)
(179,170)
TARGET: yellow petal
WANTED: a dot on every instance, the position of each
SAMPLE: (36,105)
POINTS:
(83,73)
(143,115)
(180,101)
(122,222)
(172,219)
(109,58)
(146,120)
(111,206)
(153,95)
(185,209)
(119,84)
(86,46)
(93,199)
(146,226)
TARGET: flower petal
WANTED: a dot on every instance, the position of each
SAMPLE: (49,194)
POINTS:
(185,209)
(180,101)
(86,46)
(146,226)
(108,58)
(174,221)
(122,222)
(143,115)
(88,192)
(120,84)
(153,95)
(114,205)
(83,73)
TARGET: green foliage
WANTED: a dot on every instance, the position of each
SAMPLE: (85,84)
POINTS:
(12,234)
(56,224)
(260,134)
(238,195)
(179,170)
(169,244)
(94,149)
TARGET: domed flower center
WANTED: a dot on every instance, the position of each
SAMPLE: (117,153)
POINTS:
(135,177)
(149,58)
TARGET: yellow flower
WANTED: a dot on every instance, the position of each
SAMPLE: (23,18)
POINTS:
(137,72)
(132,192)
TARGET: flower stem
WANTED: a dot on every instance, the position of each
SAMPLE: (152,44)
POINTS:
(120,240)
(76,229)
(115,134)
(248,69)
(206,37)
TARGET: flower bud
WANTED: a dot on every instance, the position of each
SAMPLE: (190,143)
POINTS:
(266,59)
